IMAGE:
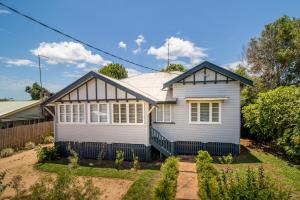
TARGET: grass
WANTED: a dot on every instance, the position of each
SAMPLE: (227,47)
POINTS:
(143,188)
(144,179)
(282,172)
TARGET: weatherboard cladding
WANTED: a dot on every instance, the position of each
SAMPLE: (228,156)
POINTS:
(207,65)
(226,132)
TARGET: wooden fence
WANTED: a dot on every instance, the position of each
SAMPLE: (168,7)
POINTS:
(16,137)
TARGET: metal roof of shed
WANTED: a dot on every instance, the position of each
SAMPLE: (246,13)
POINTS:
(11,107)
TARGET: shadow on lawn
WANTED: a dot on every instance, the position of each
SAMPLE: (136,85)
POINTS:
(246,157)
(107,164)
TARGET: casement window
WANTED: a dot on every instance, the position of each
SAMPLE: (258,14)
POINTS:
(128,113)
(71,113)
(163,113)
(205,112)
(98,113)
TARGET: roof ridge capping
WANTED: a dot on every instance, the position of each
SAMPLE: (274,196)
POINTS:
(213,67)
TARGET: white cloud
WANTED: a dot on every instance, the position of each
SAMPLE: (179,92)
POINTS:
(75,74)
(68,52)
(232,66)
(4,11)
(139,41)
(178,48)
(132,72)
(122,45)
(20,62)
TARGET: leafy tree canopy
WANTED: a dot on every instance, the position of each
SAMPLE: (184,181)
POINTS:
(275,55)
(114,70)
(174,67)
(36,91)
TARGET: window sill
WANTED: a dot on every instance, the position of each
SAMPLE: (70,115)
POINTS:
(163,122)
(205,123)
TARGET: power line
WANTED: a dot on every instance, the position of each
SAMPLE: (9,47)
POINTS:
(73,38)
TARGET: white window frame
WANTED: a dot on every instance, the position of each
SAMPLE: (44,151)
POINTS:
(98,122)
(65,114)
(127,113)
(210,112)
(163,112)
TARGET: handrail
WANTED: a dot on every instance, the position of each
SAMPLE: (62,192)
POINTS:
(160,140)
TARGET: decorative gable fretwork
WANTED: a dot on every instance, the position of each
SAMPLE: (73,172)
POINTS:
(204,76)
(96,90)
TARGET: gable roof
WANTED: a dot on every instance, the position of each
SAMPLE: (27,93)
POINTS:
(11,107)
(152,83)
(119,84)
(212,67)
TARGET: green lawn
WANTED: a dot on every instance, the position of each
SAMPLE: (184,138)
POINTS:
(281,171)
(144,179)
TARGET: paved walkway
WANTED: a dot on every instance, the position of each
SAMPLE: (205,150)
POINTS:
(187,184)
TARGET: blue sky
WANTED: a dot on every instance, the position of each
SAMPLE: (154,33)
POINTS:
(137,30)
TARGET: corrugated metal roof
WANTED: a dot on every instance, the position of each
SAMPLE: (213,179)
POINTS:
(10,107)
(152,84)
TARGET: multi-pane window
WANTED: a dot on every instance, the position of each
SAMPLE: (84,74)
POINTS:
(98,113)
(128,113)
(205,112)
(71,113)
(163,113)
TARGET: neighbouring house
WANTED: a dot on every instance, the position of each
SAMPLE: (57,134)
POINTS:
(16,113)
(173,113)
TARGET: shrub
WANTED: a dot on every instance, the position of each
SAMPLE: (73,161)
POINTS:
(64,187)
(46,154)
(6,152)
(136,162)
(119,159)
(226,159)
(275,115)
(29,145)
(3,185)
(166,187)
(73,158)
(227,184)
(48,139)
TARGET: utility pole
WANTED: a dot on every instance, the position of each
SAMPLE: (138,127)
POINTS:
(168,53)
(40,70)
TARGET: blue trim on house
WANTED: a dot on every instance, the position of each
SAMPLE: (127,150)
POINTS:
(93,74)
(212,67)
(91,150)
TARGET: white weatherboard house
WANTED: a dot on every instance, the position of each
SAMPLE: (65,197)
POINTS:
(174,113)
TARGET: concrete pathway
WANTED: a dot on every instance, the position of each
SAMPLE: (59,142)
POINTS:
(187,184)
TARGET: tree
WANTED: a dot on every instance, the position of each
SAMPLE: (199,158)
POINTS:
(114,70)
(249,93)
(275,55)
(36,91)
(174,67)
(6,99)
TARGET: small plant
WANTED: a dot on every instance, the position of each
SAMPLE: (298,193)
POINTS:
(29,145)
(136,162)
(101,154)
(226,159)
(73,158)
(46,154)
(6,152)
(166,188)
(48,139)
(119,159)
(3,185)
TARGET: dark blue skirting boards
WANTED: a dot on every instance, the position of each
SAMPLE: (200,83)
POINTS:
(91,150)
(214,148)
